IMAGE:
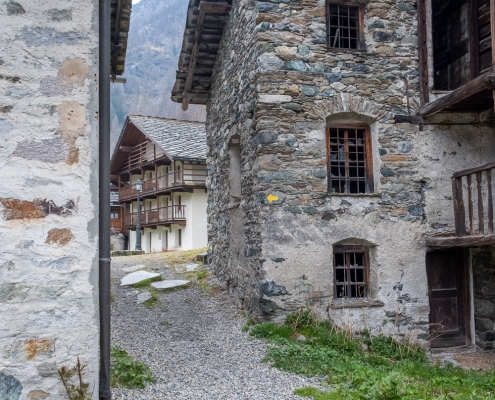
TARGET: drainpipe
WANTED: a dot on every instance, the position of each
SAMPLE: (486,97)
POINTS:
(104,196)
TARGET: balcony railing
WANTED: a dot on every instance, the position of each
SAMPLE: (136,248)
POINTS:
(189,177)
(141,154)
(167,214)
(474,187)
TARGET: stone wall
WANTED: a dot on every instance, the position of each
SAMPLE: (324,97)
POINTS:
(48,195)
(483,265)
(300,88)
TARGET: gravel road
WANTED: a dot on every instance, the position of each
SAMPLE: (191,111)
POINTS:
(193,343)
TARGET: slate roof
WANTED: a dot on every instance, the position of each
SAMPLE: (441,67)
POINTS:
(180,140)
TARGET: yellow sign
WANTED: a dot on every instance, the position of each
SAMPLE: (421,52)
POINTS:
(272,198)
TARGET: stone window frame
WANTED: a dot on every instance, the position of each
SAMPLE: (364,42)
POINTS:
(361,45)
(368,158)
(349,250)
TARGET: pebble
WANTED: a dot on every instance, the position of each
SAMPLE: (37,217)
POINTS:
(201,353)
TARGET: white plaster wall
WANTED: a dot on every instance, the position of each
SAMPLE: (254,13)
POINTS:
(199,235)
(48,193)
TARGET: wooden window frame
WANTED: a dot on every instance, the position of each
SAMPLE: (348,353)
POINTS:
(361,45)
(347,250)
(368,158)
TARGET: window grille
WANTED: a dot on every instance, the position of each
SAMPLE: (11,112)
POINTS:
(349,160)
(345,25)
(351,272)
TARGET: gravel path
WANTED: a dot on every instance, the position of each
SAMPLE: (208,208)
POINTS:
(201,352)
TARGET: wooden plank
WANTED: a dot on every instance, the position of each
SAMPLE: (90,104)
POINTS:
(492,25)
(408,119)
(470,171)
(481,215)
(214,8)
(487,116)
(460,213)
(490,201)
(194,58)
(470,206)
(465,241)
(191,95)
(474,41)
(476,85)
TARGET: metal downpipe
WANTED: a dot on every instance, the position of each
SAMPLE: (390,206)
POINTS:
(104,196)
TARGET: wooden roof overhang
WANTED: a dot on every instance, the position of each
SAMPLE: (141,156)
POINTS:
(202,35)
(120,23)
(130,137)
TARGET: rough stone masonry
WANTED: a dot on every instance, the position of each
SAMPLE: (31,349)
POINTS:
(48,195)
(277,88)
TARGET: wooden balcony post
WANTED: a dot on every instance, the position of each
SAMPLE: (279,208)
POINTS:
(481,215)
(459,212)
(492,26)
(490,201)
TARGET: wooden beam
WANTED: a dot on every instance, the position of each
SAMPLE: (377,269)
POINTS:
(408,119)
(487,116)
(204,7)
(127,149)
(214,8)
(482,82)
(424,90)
(191,95)
(194,57)
(492,26)
(466,241)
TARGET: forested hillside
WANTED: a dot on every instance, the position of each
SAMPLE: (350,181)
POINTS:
(155,40)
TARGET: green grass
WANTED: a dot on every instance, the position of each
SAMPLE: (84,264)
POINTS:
(147,282)
(165,323)
(151,302)
(127,372)
(365,367)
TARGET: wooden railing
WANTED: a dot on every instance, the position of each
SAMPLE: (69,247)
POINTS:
(474,187)
(156,215)
(188,177)
(141,154)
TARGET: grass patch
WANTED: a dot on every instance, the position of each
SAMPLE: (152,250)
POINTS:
(183,256)
(165,323)
(147,282)
(249,323)
(164,309)
(365,367)
(151,302)
(127,372)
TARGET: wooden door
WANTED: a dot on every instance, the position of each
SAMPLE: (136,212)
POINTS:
(446,291)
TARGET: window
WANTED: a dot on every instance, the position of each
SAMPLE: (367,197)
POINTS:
(179,237)
(351,272)
(235,168)
(350,168)
(345,25)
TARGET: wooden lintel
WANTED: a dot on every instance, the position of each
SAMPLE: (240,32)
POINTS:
(408,119)
(465,241)
(483,82)
(214,8)
(127,149)
(114,176)
(190,95)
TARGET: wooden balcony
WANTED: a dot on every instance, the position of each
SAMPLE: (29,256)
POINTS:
(183,179)
(472,188)
(157,216)
(141,155)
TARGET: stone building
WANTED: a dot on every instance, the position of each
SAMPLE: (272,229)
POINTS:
(169,157)
(49,191)
(336,133)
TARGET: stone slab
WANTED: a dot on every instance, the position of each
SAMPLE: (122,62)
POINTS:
(142,297)
(134,268)
(137,276)
(191,267)
(169,284)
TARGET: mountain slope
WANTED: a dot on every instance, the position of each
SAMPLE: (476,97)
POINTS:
(155,40)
